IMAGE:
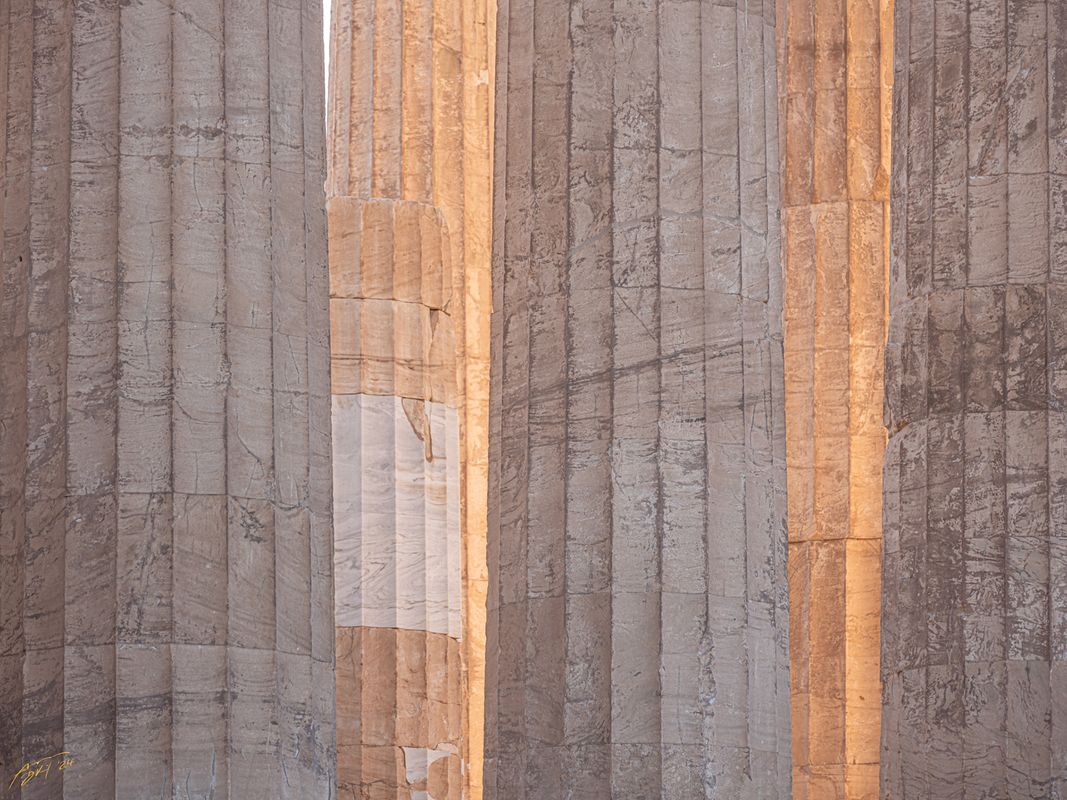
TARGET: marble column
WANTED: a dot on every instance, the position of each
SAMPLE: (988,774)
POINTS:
(408,207)
(165,522)
(837,71)
(974,653)
(637,643)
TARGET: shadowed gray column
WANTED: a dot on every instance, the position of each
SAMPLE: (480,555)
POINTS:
(975,573)
(637,640)
(166,610)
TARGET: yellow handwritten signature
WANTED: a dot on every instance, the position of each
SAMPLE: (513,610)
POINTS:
(41,767)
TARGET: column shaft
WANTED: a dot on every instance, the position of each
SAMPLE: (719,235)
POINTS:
(837,101)
(165,519)
(974,652)
(408,216)
(637,607)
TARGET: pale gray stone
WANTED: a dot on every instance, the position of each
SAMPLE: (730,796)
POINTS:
(637,642)
(974,580)
(165,514)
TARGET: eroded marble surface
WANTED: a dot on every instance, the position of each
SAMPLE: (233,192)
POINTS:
(637,604)
(396,500)
(974,648)
(166,596)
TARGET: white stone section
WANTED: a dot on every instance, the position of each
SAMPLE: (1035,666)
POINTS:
(417,763)
(397,557)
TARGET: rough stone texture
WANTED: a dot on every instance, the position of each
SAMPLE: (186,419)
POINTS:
(409,190)
(396,500)
(974,653)
(637,641)
(836,100)
(165,514)
(399,718)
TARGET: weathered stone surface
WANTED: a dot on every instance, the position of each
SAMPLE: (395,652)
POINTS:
(409,189)
(418,677)
(637,611)
(835,96)
(397,497)
(398,551)
(165,514)
(974,645)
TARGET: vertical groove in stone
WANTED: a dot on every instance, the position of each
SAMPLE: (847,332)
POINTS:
(45,373)
(478,40)
(320,468)
(408,220)
(973,646)
(15,430)
(506,599)
(683,446)
(137,189)
(587,703)
(1057,424)
(92,545)
(637,340)
(14,395)
(835,90)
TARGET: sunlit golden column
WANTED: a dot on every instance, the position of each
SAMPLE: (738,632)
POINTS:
(479,65)
(837,98)
(408,201)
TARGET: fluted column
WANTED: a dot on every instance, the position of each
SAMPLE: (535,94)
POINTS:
(396,485)
(637,609)
(408,223)
(837,101)
(165,523)
(974,654)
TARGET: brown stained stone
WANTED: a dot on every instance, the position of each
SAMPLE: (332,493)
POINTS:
(165,515)
(637,602)
(835,103)
(975,579)
(389,719)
